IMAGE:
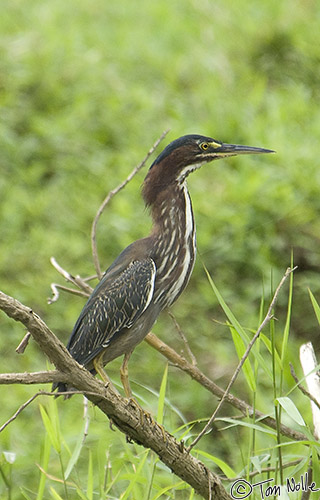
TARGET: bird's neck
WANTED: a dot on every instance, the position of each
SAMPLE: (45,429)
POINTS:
(174,241)
(172,212)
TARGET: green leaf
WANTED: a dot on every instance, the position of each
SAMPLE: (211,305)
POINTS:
(135,477)
(291,409)
(315,467)
(25,494)
(236,325)
(90,478)
(300,466)
(315,305)
(226,469)
(256,427)
(54,494)
(9,456)
(44,466)
(246,368)
(51,431)
(286,331)
(268,345)
(176,486)
(162,395)
(256,463)
(75,455)
(81,494)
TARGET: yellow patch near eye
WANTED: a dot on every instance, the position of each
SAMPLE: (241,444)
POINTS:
(215,144)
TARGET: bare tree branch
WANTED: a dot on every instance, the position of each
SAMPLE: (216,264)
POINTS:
(44,377)
(127,415)
(109,197)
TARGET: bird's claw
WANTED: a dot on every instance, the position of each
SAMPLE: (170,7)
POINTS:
(145,415)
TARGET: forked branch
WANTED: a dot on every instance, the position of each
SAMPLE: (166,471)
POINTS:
(124,413)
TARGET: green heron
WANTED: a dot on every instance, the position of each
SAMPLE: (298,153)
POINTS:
(151,273)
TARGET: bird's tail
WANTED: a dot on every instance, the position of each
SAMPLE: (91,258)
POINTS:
(62,387)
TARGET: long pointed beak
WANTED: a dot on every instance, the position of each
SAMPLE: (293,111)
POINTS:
(234,149)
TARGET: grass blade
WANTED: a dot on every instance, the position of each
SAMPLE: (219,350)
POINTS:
(315,305)
(291,409)
(75,455)
(44,465)
(236,325)
(162,395)
(90,478)
(135,477)
(51,430)
(226,469)
(247,369)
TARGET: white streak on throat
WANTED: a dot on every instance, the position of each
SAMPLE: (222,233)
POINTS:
(190,250)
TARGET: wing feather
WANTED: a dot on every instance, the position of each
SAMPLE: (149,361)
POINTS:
(114,305)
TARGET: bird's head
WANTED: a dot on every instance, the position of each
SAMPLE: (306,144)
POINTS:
(186,154)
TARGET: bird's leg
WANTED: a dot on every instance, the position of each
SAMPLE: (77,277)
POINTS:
(98,366)
(124,375)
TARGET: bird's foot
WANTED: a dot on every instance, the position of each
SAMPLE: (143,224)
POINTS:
(163,432)
(111,424)
(145,415)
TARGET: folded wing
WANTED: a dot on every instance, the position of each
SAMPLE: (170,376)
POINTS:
(115,304)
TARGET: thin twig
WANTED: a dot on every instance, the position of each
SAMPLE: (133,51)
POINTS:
(20,409)
(266,320)
(76,280)
(23,344)
(301,388)
(265,470)
(184,338)
(107,199)
(86,418)
(56,479)
(44,393)
(55,287)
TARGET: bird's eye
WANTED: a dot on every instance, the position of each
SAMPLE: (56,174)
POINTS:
(204,146)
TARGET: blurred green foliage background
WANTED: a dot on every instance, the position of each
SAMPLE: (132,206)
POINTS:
(86,87)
